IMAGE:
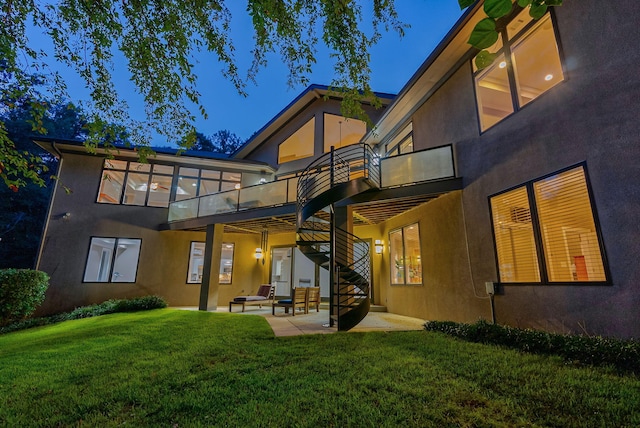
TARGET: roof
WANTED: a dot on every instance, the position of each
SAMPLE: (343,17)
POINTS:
(309,95)
(169,154)
(452,51)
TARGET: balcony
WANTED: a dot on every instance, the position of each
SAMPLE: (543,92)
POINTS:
(409,169)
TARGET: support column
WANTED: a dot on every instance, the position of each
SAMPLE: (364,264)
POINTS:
(210,279)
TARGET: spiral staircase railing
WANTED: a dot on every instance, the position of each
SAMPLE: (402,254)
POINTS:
(335,176)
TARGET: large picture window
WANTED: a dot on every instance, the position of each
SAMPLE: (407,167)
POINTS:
(545,232)
(134,183)
(196,263)
(527,65)
(406,261)
(193,182)
(112,260)
(340,131)
(401,143)
(299,145)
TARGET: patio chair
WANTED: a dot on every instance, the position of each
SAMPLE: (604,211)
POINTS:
(265,294)
(298,300)
(313,298)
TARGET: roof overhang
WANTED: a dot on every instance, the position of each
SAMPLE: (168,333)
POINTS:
(433,72)
(307,97)
(57,147)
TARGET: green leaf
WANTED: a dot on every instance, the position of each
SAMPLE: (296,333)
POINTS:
(465,3)
(497,8)
(538,11)
(524,3)
(484,59)
(484,34)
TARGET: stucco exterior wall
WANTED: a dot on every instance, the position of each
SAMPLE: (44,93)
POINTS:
(591,117)
(268,152)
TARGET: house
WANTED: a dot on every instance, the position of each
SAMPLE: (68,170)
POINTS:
(507,193)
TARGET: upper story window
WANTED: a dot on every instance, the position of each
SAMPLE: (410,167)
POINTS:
(193,182)
(546,232)
(404,249)
(340,131)
(527,65)
(401,143)
(134,183)
(299,145)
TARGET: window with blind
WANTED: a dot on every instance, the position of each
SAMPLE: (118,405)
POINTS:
(545,231)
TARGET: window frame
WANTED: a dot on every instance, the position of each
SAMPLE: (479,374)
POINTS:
(125,177)
(281,161)
(404,256)
(505,50)
(199,281)
(112,261)
(392,148)
(537,233)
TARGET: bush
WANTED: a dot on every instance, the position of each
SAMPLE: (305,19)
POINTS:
(109,307)
(621,354)
(21,292)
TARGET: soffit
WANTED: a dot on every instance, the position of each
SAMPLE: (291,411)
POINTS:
(370,213)
(428,77)
(54,146)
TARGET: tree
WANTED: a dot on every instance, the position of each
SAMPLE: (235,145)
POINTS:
(22,214)
(485,33)
(223,141)
(158,41)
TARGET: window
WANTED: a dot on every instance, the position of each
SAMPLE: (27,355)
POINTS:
(134,183)
(193,182)
(196,263)
(545,231)
(527,65)
(299,145)
(340,131)
(406,262)
(401,143)
(112,260)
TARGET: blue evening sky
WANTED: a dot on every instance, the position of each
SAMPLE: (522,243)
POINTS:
(393,62)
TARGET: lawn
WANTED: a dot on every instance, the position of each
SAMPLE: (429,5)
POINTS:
(182,368)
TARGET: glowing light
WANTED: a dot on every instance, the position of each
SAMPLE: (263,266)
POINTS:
(548,77)
(503,64)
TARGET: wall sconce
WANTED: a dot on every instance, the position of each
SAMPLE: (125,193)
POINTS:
(379,246)
(66,216)
(258,253)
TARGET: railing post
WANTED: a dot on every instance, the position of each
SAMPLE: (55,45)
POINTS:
(331,166)
(332,265)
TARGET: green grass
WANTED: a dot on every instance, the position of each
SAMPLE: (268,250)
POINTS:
(181,368)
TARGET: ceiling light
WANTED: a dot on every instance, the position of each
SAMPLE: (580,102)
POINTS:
(548,77)
(503,64)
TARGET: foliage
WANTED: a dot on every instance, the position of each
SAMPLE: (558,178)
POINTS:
(486,32)
(22,214)
(158,43)
(223,141)
(193,368)
(21,292)
(144,303)
(622,354)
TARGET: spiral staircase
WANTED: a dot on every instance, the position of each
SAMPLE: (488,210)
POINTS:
(338,175)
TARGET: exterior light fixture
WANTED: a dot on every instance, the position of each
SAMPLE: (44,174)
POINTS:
(548,77)
(66,216)
(258,253)
(237,186)
(503,64)
(379,246)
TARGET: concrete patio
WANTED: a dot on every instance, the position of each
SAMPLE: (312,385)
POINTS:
(315,322)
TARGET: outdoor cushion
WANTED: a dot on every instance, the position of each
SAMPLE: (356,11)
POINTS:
(284,301)
(248,298)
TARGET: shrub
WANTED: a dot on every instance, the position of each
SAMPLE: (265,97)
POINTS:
(621,354)
(21,292)
(109,307)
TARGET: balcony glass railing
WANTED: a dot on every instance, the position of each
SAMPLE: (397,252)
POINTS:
(260,195)
(416,167)
(410,168)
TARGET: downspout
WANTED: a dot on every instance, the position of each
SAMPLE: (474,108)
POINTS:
(52,197)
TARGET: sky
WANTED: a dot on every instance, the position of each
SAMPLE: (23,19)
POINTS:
(393,61)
